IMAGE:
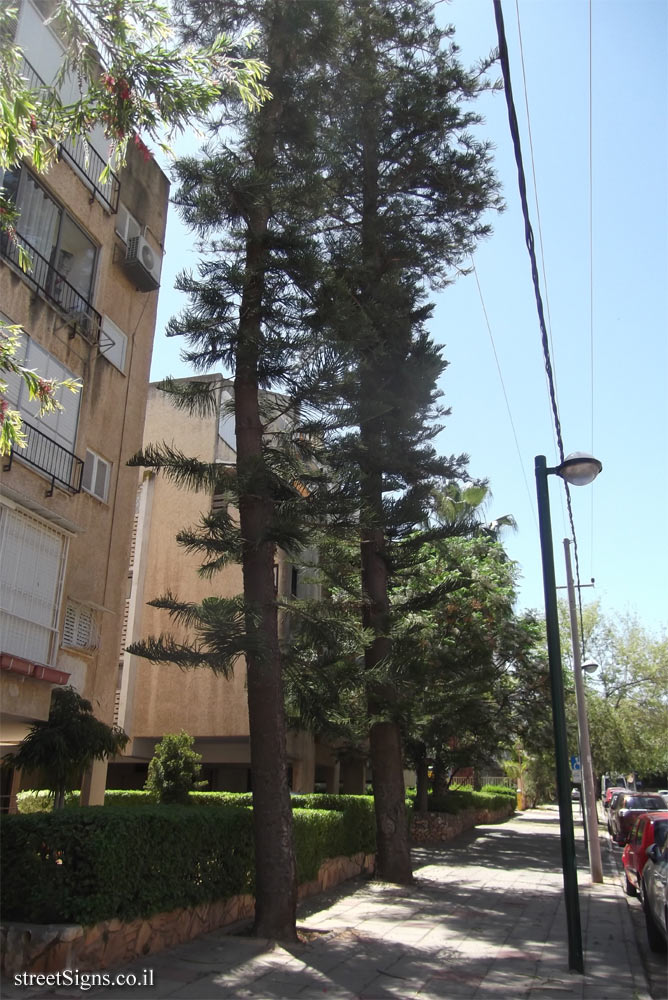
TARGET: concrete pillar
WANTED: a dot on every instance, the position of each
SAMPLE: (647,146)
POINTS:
(333,779)
(301,752)
(94,783)
(353,777)
(14,790)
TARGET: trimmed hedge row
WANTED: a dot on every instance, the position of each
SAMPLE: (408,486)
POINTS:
(459,799)
(42,801)
(86,865)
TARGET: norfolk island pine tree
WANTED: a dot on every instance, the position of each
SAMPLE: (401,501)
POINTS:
(408,186)
(249,200)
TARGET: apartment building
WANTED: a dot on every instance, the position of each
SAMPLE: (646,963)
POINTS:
(154,699)
(87,304)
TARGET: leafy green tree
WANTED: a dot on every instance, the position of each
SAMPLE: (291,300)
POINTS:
(479,675)
(252,198)
(627,697)
(59,749)
(408,185)
(174,769)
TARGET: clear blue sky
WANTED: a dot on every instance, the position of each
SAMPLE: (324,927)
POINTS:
(610,349)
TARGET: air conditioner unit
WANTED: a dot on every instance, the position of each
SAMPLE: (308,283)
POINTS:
(143,264)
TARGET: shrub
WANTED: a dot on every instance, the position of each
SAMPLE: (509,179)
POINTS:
(42,801)
(243,799)
(173,769)
(130,797)
(459,799)
(87,865)
(499,790)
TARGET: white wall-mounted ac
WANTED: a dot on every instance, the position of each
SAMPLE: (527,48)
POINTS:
(143,264)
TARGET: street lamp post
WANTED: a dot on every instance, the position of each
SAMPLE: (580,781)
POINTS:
(578,470)
(589,803)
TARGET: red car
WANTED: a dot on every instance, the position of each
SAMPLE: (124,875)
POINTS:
(609,792)
(648,829)
(625,811)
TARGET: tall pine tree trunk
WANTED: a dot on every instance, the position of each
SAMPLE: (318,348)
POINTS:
(276,875)
(394,859)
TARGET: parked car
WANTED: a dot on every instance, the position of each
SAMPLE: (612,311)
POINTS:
(626,809)
(609,792)
(648,828)
(613,803)
(655,894)
(663,792)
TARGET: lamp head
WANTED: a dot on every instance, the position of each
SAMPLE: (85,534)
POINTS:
(579,468)
(591,666)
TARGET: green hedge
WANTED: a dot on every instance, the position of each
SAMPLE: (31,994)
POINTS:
(458,800)
(87,865)
(42,801)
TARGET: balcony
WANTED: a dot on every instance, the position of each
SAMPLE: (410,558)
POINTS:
(39,272)
(56,462)
(85,161)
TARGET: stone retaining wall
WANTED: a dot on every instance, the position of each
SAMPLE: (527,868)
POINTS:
(55,947)
(434,828)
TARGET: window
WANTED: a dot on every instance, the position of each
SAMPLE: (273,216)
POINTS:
(113,343)
(59,425)
(219,504)
(80,629)
(226,420)
(62,246)
(33,565)
(96,475)
(126,224)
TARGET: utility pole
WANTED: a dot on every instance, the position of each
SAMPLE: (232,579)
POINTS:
(591,818)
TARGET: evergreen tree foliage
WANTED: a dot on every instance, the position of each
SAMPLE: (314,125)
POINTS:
(174,769)
(467,674)
(252,198)
(59,749)
(408,186)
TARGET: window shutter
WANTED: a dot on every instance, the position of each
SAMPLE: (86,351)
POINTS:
(80,627)
(33,561)
(61,424)
(96,474)
(113,343)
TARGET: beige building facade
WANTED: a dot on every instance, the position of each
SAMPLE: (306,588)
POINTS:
(86,303)
(154,699)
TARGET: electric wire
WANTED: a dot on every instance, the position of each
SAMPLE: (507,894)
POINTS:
(505,394)
(530,242)
(535,187)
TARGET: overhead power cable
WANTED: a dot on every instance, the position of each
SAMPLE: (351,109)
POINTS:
(503,386)
(530,242)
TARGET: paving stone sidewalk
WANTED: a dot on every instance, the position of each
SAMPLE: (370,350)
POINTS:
(485,918)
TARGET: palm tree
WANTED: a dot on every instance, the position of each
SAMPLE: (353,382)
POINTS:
(58,750)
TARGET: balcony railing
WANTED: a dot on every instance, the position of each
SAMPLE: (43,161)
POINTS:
(55,461)
(85,160)
(39,271)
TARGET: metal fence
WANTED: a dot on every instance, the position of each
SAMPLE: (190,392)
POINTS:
(82,157)
(39,271)
(43,453)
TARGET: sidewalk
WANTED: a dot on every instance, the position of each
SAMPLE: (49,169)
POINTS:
(485,918)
